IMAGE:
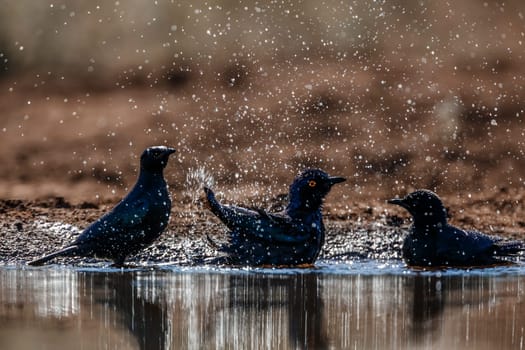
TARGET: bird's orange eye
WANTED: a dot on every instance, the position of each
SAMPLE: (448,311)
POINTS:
(312,183)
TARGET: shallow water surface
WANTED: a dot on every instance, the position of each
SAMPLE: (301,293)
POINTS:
(360,305)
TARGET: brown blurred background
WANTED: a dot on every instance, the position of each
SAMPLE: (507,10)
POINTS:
(394,95)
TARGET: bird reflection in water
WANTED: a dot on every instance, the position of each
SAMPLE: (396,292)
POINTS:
(217,309)
(164,311)
(145,317)
(268,303)
(428,303)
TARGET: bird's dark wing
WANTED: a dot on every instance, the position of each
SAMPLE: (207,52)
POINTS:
(129,214)
(272,228)
(125,218)
(259,224)
(456,245)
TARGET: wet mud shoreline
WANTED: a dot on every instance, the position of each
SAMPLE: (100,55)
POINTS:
(358,231)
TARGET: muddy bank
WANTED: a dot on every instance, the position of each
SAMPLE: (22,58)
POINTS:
(354,231)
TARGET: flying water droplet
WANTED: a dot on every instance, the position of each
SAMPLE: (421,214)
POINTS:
(196,179)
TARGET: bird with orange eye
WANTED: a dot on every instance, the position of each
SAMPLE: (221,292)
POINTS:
(310,188)
(292,237)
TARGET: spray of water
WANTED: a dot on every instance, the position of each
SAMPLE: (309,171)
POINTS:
(196,179)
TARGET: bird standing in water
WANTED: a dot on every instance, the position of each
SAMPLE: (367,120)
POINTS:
(292,237)
(132,224)
(433,242)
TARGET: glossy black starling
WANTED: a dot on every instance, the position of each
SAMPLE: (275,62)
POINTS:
(289,238)
(433,242)
(132,224)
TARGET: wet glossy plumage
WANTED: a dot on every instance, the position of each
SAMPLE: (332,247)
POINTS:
(433,242)
(134,223)
(292,237)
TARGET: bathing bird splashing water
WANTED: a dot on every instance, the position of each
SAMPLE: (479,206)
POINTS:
(292,237)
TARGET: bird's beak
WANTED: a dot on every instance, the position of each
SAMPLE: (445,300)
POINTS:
(170,150)
(335,180)
(397,201)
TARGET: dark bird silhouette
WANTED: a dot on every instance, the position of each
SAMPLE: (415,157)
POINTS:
(433,242)
(292,237)
(132,224)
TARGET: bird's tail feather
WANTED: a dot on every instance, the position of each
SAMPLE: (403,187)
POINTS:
(224,212)
(215,206)
(213,243)
(509,248)
(68,251)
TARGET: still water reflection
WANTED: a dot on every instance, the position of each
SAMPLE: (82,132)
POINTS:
(343,308)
